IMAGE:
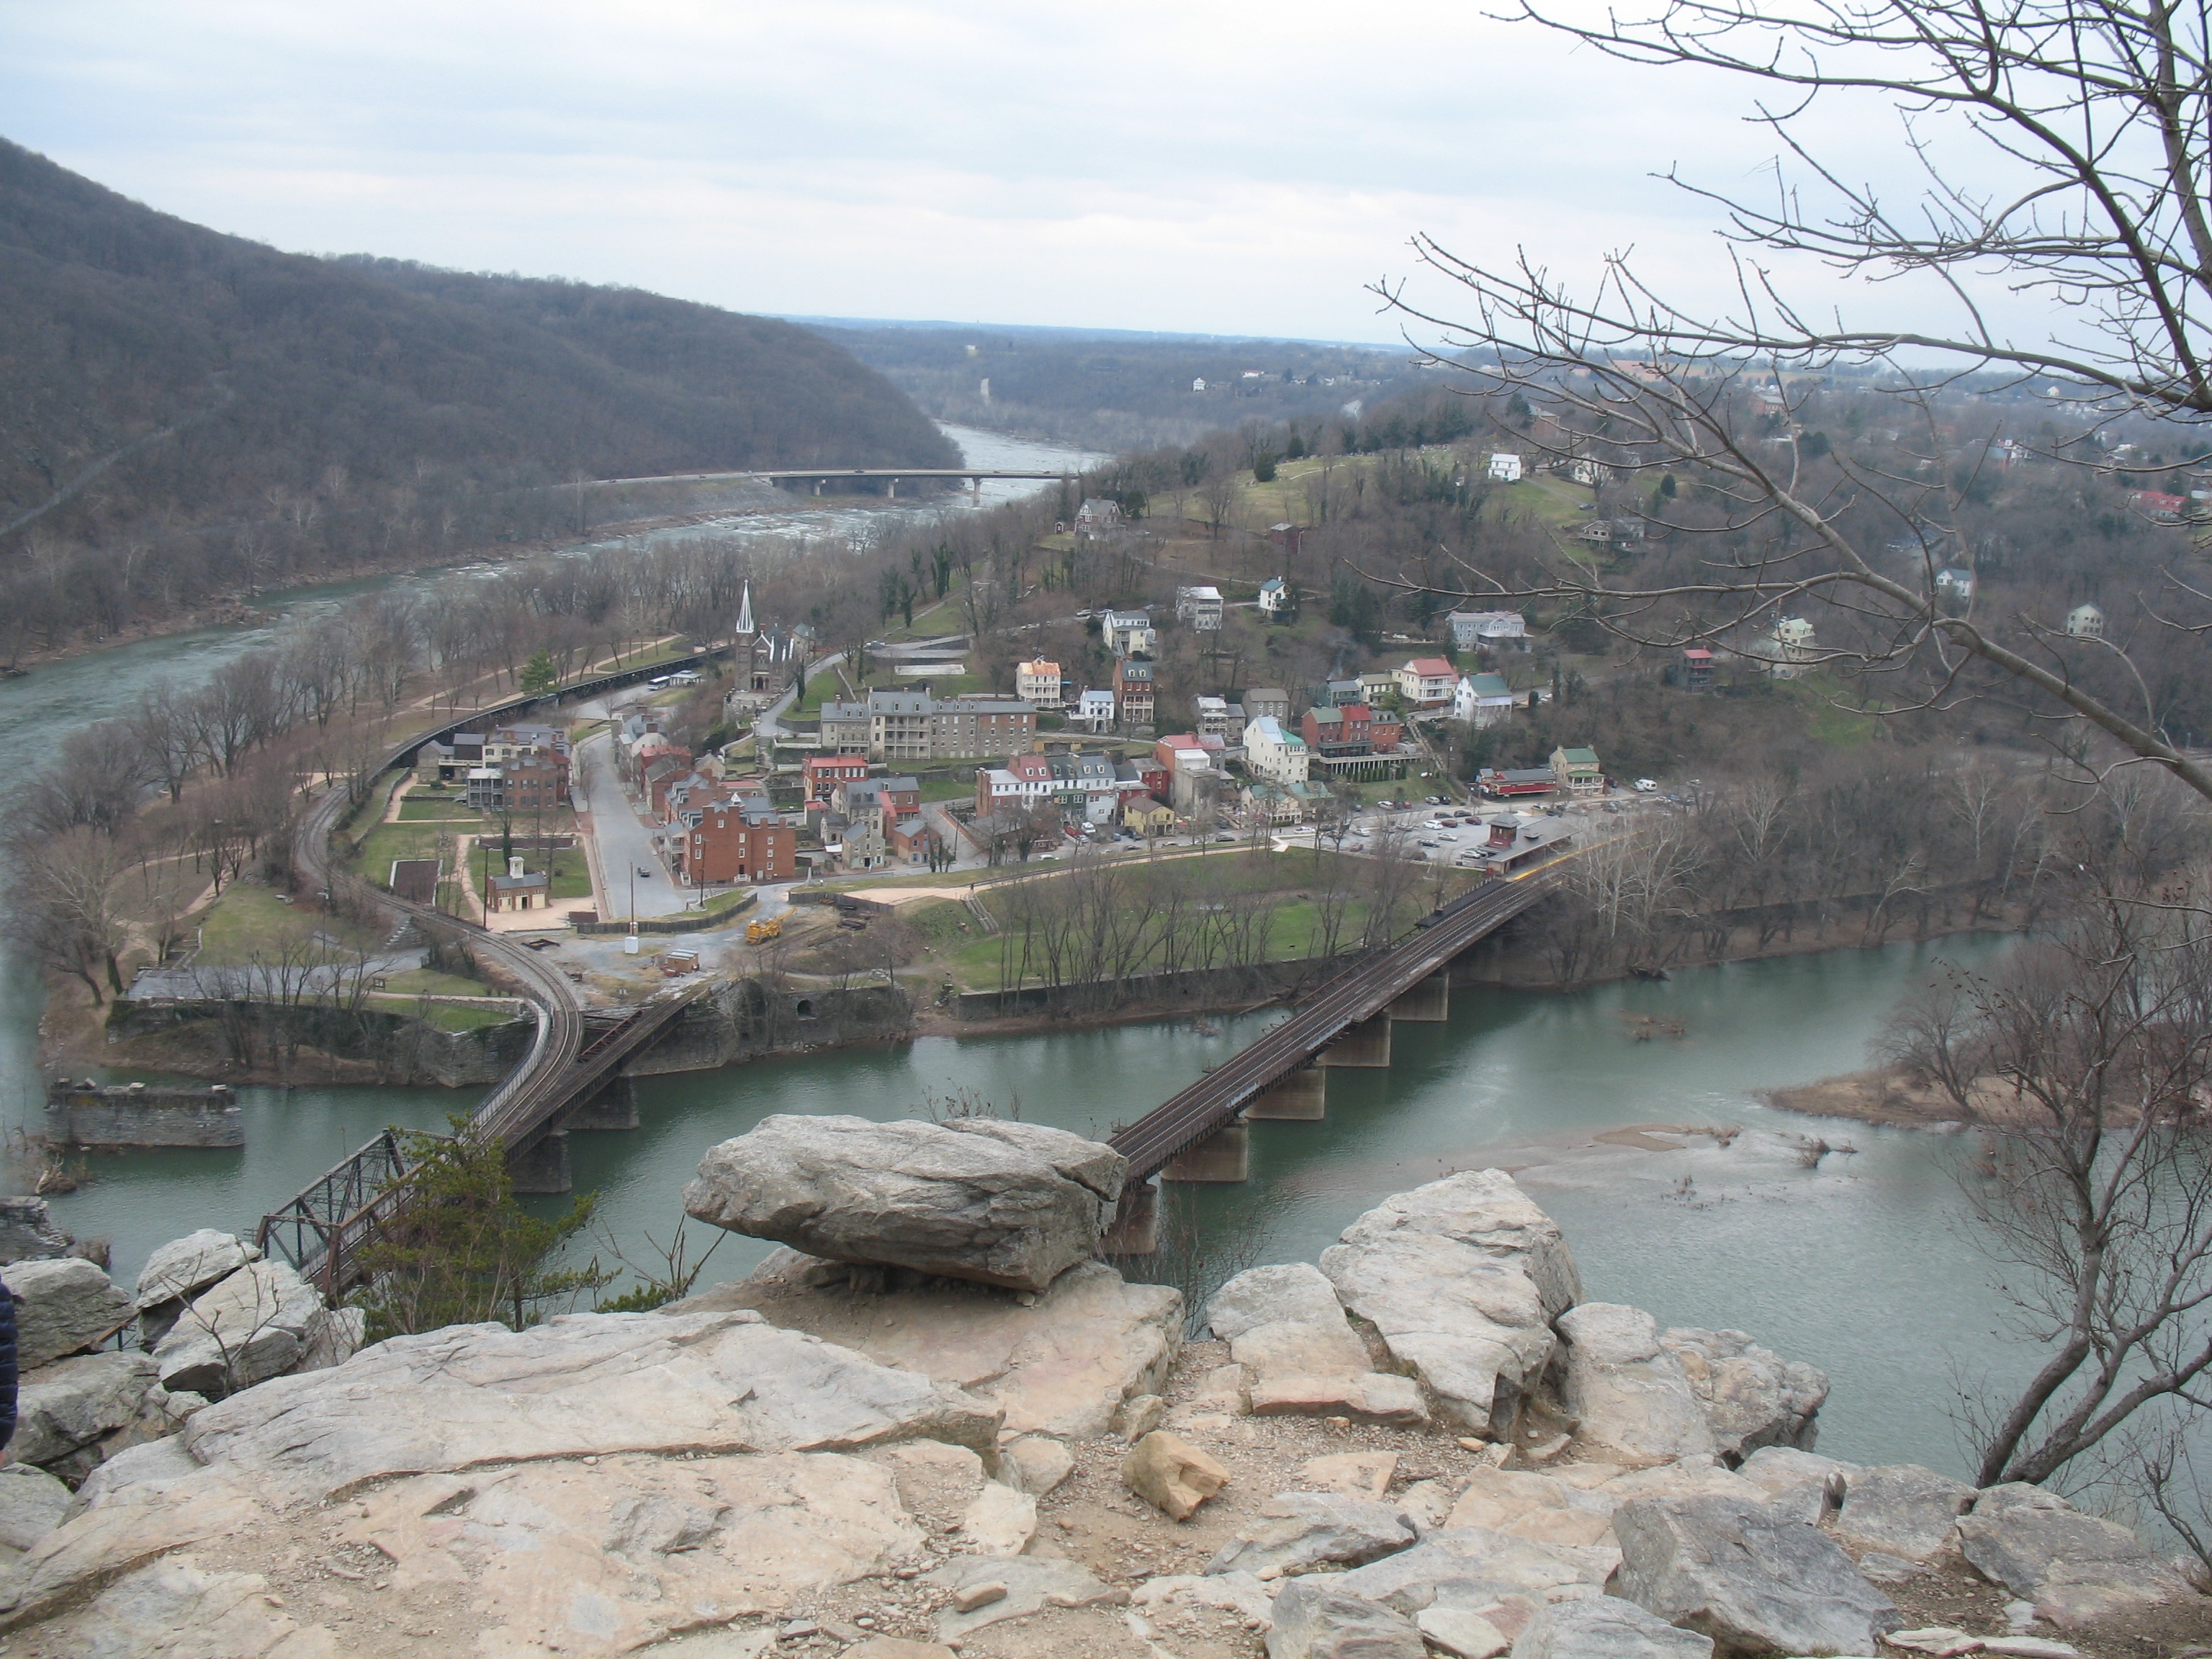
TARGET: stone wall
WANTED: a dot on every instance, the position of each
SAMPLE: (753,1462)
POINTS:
(402,1048)
(132,1115)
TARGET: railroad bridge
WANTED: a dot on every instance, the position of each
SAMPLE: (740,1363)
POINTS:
(1201,1134)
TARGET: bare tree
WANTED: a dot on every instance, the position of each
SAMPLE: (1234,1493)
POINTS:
(2088,123)
(2085,1059)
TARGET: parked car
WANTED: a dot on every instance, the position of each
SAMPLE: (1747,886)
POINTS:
(1646,786)
(645,870)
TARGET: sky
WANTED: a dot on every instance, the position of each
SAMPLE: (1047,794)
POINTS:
(1223,167)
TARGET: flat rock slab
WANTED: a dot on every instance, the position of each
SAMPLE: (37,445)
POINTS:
(2076,1568)
(62,1307)
(1474,1567)
(186,1266)
(1031,1584)
(1316,1618)
(1607,1627)
(1300,1532)
(580,1384)
(1750,1577)
(1301,1357)
(1753,1397)
(1539,1508)
(999,1203)
(1462,1278)
(1061,1366)
(1634,1402)
(1902,1509)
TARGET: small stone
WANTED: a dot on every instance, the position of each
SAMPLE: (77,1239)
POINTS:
(1941,1640)
(1000,1521)
(1037,1463)
(1457,1631)
(1338,1422)
(1468,1443)
(969,1597)
(1545,1450)
(1171,1476)
(799,1628)
(1885,1569)
(2031,1647)
(2021,1616)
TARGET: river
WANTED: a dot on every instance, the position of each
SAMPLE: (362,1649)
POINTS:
(1863,1264)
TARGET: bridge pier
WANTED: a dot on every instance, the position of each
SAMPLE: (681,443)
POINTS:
(542,1168)
(614,1107)
(1299,1097)
(1367,1044)
(1427,1000)
(1135,1228)
(1224,1156)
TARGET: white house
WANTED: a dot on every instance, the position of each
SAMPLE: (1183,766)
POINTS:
(1482,700)
(1274,598)
(1038,682)
(1505,469)
(1095,515)
(1792,648)
(1128,632)
(1095,710)
(1495,630)
(1426,683)
(1200,608)
(1198,383)
(1953,583)
(1272,753)
(2086,621)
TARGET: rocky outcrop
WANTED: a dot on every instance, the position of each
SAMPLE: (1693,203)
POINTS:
(31,1504)
(1462,1278)
(180,1270)
(1630,1394)
(1607,1627)
(1753,1396)
(70,1414)
(1903,1511)
(64,1306)
(1315,1620)
(1285,1326)
(580,1385)
(999,1203)
(2074,1567)
(1753,1580)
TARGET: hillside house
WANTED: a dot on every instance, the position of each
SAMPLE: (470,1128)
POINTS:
(1135,690)
(1097,516)
(1697,669)
(1488,631)
(888,799)
(1038,682)
(1199,609)
(1286,538)
(1275,600)
(1426,683)
(914,726)
(1577,771)
(1258,700)
(1272,754)
(1095,709)
(2086,621)
(1128,632)
(845,725)
(1218,717)
(1790,650)
(1377,685)
(1026,781)
(1953,583)
(1481,700)
(1504,468)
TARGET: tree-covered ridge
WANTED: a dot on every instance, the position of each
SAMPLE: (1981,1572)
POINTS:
(315,413)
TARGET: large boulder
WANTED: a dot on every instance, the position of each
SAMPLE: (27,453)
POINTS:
(1902,1509)
(1634,1404)
(27,1233)
(1462,1278)
(1753,1579)
(1285,1326)
(1474,1567)
(31,1504)
(1060,1365)
(185,1267)
(1542,1508)
(1300,1532)
(74,1403)
(579,1385)
(64,1306)
(247,1327)
(2076,1568)
(1753,1396)
(999,1203)
(1605,1627)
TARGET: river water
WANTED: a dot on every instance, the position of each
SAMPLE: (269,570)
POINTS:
(1862,1264)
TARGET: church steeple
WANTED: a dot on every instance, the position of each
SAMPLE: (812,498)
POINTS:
(745,629)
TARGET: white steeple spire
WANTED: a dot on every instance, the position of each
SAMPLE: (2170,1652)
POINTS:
(745,613)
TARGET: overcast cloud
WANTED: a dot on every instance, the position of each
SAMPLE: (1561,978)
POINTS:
(1220,167)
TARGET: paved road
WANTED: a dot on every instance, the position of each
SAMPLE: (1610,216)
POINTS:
(625,842)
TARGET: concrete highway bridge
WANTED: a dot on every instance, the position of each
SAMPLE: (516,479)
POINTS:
(823,477)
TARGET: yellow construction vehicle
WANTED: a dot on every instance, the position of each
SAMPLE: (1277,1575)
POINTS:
(758,932)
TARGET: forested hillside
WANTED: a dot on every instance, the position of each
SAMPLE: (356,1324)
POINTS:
(184,414)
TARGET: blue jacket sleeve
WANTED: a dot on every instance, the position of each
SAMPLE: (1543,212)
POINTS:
(7,1366)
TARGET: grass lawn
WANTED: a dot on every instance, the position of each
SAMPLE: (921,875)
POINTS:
(419,981)
(388,842)
(249,920)
(947,789)
(1840,728)
(446,1016)
(418,808)
(572,875)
